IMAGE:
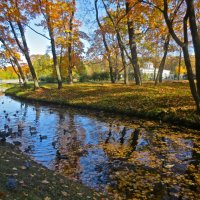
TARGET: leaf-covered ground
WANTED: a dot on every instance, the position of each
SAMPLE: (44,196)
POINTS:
(168,102)
(36,182)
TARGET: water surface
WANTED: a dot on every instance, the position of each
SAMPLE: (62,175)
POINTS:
(126,157)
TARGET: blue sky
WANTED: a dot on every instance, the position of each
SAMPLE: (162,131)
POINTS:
(38,44)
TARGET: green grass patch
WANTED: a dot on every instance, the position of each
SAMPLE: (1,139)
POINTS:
(170,102)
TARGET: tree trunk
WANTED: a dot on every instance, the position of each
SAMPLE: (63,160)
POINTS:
(24,50)
(195,39)
(191,77)
(105,44)
(53,49)
(110,67)
(162,63)
(18,75)
(133,46)
(184,46)
(179,64)
(27,56)
(20,71)
(126,78)
(116,75)
(123,59)
(70,65)
(55,60)
(70,77)
(15,61)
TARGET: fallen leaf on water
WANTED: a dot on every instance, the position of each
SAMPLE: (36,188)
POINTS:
(168,166)
(64,194)
(45,182)
(47,198)
(25,194)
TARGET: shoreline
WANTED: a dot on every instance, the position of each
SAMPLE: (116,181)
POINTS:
(36,181)
(43,95)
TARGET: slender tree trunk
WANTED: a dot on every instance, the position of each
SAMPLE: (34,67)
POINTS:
(126,78)
(179,64)
(162,63)
(27,56)
(133,46)
(24,49)
(123,59)
(105,44)
(110,67)
(116,77)
(195,39)
(53,48)
(18,75)
(55,59)
(70,65)
(61,60)
(20,71)
(154,74)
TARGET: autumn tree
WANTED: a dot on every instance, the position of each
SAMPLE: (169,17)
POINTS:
(115,17)
(50,11)
(15,14)
(132,41)
(13,58)
(69,40)
(70,78)
(108,50)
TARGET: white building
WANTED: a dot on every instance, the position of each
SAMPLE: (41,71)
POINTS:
(149,71)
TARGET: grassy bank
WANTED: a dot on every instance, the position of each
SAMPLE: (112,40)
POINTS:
(36,182)
(171,102)
(6,85)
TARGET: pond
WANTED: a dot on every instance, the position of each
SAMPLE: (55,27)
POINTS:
(126,157)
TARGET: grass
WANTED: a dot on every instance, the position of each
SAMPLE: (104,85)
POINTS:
(36,182)
(6,85)
(171,102)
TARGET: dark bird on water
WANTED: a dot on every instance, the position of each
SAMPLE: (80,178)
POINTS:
(59,156)
(64,131)
(43,137)
(19,128)
(54,144)
(31,128)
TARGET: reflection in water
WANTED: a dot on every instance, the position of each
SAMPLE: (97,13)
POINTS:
(105,154)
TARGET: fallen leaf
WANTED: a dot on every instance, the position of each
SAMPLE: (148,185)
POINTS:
(64,193)
(47,198)
(45,182)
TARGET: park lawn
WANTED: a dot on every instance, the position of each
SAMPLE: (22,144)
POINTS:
(170,101)
(6,85)
(36,182)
